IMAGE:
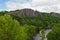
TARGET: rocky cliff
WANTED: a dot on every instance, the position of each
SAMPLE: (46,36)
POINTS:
(30,12)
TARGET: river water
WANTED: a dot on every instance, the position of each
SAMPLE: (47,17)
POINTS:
(37,37)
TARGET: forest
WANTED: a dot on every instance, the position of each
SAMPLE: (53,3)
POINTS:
(14,27)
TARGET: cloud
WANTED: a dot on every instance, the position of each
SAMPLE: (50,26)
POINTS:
(40,5)
(13,5)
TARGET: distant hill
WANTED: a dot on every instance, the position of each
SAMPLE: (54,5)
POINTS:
(30,12)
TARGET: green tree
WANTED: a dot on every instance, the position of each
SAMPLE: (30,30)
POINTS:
(10,29)
(31,31)
(55,33)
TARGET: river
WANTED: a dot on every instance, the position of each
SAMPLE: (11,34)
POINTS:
(37,37)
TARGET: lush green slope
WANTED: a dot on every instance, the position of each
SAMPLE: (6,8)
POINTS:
(45,21)
(13,27)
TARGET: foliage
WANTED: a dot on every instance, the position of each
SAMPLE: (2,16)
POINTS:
(41,22)
(2,13)
(10,29)
(15,27)
(55,33)
(42,34)
(51,36)
(31,31)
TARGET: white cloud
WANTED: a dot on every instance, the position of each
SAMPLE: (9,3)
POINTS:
(12,6)
(40,5)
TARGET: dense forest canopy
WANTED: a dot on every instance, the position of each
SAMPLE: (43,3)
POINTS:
(18,25)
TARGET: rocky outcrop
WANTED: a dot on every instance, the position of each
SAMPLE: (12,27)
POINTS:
(30,12)
(55,14)
(25,12)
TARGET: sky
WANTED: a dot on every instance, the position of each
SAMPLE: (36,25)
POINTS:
(40,5)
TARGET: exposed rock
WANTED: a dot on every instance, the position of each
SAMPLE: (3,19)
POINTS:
(30,12)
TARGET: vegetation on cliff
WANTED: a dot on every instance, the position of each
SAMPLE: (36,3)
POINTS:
(18,27)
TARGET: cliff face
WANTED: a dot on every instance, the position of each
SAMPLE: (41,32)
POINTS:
(30,12)
(25,12)
(55,14)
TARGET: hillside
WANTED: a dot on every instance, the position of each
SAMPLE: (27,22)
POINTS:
(30,12)
(24,24)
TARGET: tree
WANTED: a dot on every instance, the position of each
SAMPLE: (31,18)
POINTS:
(10,29)
(2,13)
(31,31)
(55,33)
